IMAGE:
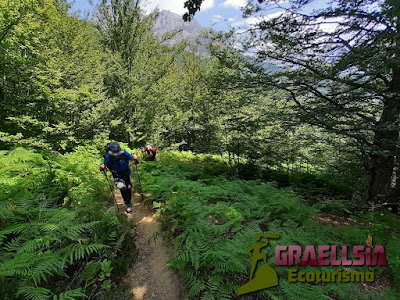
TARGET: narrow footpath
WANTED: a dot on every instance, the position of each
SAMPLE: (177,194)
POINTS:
(149,277)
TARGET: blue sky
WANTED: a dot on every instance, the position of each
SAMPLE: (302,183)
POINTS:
(218,14)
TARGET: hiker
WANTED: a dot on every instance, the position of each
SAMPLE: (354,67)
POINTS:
(117,161)
(151,151)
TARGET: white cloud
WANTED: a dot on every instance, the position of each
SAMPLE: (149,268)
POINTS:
(175,6)
(207,4)
(216,18)
(231,20)
(254,20)
(234,3)
(274,15)
(330,25)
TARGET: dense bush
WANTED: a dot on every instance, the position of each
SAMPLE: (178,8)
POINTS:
(60,237)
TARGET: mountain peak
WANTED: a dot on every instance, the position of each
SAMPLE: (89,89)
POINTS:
(168,21)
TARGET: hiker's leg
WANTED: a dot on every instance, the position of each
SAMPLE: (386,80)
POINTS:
(126,190)
(129,189)
(121,185)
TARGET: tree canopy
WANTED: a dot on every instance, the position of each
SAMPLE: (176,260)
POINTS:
(339,66)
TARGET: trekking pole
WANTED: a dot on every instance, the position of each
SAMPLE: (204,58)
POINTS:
(111,189)
(140,185)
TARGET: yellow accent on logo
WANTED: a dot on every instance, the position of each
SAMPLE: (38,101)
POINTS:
(369,241)
(265,276)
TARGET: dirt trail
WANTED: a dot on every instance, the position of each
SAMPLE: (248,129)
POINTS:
(149,277)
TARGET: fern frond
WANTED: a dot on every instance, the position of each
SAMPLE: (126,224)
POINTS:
(74,232)
(32,266)
(196,288)
(13,245)
(48,265)
(118,244)
(34,293)
(18,229)
(38,244)
(70,295)
(79,251)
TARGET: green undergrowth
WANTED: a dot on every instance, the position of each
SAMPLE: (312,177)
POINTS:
(60,237)
(309,183)
(212,221)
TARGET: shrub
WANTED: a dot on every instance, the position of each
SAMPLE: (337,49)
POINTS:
(56,225)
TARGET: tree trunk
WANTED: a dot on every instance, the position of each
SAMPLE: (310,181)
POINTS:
(1,95)
(386,135)
(380,176)
(396,190)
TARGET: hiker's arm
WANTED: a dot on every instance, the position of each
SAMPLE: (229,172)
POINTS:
(132,157)
(104,164)
(135,159)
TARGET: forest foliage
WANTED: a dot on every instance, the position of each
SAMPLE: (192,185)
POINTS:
(212,218)
(312,109)
(67,81)
(60,237)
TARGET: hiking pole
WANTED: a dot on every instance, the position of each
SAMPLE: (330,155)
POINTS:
(140,185)
(111,189)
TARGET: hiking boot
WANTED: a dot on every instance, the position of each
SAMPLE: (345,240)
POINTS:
(129,208)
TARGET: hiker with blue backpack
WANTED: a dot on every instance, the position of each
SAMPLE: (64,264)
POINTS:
(116,161)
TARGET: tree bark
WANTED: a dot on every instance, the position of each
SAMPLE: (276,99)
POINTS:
(1,94)
(386,135)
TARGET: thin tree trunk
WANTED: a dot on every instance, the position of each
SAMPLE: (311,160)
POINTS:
(1,94)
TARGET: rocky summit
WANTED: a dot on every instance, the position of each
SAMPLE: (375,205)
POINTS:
(168,22)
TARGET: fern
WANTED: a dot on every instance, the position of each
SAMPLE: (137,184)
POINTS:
(119,242)
(36,268)
(39,239)
(70,295)
(34,293)
(79,251)
(45,242)
(74,232)
(214,221)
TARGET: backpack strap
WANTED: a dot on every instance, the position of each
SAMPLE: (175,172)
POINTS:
(112,159)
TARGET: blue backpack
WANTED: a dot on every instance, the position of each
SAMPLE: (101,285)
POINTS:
(116,154)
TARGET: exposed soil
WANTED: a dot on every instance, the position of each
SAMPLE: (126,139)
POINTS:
(336,221)
(149,277)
